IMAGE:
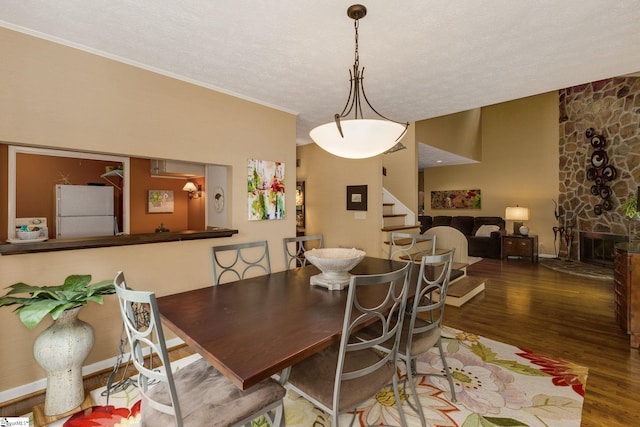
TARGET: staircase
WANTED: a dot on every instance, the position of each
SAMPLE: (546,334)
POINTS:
(392,221)
(396,216)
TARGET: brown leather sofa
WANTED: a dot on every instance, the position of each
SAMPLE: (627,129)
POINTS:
(479,246)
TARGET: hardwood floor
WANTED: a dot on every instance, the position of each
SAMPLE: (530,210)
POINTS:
(560,315)
(552,313)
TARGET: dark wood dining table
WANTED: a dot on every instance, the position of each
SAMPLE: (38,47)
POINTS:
(254,328)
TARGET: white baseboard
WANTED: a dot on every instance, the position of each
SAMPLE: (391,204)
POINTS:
(41,384)
(546,256)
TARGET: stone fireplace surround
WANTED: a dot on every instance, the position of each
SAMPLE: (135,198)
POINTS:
(612,108)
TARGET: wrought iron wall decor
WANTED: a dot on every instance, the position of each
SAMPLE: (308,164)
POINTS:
(600,172)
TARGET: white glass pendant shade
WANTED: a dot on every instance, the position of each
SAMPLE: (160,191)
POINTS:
(362,137)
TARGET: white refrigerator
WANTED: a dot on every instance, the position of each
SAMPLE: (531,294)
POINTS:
(84,211)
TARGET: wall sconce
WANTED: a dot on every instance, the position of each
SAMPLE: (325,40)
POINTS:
(194,192)
(518,215)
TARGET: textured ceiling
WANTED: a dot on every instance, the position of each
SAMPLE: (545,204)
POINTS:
(422,58)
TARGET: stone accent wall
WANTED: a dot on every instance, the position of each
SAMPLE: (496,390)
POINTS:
(612,108)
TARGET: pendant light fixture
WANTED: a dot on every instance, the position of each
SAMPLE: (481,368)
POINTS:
(358,138)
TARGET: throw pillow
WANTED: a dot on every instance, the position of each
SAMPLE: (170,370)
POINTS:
(485,230)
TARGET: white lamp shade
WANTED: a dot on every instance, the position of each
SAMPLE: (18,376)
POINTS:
(190,187)
(516,213)
(362,137)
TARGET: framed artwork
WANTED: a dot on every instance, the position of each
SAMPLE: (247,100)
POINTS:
(160,201)
(356,197)
(265,190)
(455,199)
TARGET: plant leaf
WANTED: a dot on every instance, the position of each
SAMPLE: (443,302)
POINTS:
(76,282)
(32,314)
(22,288)
(95,298)
(50,292)
(104,287)
(12,300)
(55,313)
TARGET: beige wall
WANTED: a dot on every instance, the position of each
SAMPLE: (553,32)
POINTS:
(519,165)
(402,171)
(326,178)
(59,97)
(458,133)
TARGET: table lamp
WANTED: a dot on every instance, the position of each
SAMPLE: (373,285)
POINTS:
(518,215)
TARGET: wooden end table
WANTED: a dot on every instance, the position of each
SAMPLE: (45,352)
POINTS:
(521,246)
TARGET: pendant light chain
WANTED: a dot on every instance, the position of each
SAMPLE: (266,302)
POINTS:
(357,74)
(356,24)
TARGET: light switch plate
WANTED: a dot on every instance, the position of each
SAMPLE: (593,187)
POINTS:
(360,215)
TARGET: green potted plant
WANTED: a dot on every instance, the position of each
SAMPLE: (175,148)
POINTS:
(61,348)
(42,300)
(630,207)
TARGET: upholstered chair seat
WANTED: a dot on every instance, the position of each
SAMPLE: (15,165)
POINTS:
(204,391)
(316,377)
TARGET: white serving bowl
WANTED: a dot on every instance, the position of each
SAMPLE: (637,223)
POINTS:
(335,264)
(27,235)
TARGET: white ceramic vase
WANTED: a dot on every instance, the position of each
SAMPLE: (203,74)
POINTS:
(60,350)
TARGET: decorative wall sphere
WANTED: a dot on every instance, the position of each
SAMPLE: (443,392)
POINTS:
(599,159)
(598,141)
(609,173)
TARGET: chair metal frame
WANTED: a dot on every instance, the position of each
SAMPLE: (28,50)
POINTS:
(262,262)
(145,335)
(298,255)
(429,301)
(407,244)
(389,314)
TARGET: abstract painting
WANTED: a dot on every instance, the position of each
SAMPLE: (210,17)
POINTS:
(455,199)
(265,187)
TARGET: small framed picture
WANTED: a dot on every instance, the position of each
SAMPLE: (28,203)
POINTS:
(160,201)
(356,197)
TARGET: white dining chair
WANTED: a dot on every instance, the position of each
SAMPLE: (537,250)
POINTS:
(236,260)
(195,395)
(295,247)
(345,375)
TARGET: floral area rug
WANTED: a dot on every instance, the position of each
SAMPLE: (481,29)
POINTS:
(496,384)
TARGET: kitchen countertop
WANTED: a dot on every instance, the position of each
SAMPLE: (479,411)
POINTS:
(106,241)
